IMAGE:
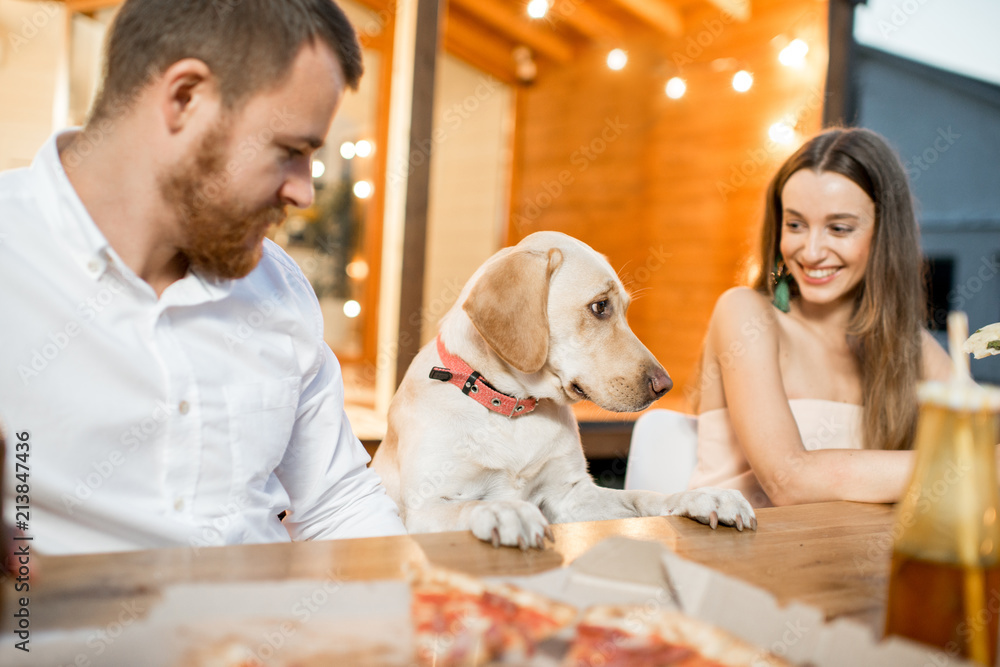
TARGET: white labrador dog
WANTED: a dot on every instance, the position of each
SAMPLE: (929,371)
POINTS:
(543,325)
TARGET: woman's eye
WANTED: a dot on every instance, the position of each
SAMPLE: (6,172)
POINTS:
(599,308)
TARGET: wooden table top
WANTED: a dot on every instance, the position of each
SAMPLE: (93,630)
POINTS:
(834,556)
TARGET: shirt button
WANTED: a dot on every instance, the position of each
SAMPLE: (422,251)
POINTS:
(184,407)
(179,504)
(93,266)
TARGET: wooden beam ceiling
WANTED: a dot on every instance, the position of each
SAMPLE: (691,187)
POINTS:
(587,21)
(507,19)
(740,9)
(480,47)
(485,33)
(660,14)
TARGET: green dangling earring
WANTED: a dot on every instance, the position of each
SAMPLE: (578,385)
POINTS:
(780,279)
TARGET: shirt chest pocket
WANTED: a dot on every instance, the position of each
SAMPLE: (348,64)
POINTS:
(261,418)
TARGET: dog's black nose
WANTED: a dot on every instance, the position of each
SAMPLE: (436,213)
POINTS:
(659,382)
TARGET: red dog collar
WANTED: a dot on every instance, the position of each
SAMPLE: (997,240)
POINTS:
(472,384)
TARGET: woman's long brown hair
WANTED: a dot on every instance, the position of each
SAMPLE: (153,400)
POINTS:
(885,330)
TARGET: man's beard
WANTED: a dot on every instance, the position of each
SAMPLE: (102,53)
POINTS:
(222,237)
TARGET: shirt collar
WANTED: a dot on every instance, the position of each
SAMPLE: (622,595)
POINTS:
(64,211)
(71,222)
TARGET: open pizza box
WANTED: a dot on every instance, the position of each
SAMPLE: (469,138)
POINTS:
(314,623)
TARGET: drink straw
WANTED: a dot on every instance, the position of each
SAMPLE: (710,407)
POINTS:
(958,332)
(968,538)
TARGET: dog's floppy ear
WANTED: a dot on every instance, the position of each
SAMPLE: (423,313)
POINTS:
(508,306)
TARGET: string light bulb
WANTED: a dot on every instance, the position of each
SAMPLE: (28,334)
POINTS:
(794,55)
(363,148)
(357,270)
(363,189)
(742,81)
(318,169)
(781,133)
(617,59)
(348,150)
(676,87)
(537,9)
(352,308)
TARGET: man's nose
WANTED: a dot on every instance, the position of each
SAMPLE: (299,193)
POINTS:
(297,189)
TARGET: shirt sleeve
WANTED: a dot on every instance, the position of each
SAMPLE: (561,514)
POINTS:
(332,492)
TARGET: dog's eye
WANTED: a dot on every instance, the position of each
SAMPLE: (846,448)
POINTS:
(600,308)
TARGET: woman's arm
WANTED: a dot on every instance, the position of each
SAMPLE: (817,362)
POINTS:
(765,427)
(936,362)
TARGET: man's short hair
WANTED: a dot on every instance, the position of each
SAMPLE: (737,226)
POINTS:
(248,44)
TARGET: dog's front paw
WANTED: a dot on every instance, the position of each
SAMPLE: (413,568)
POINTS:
(715,506)
(512,523)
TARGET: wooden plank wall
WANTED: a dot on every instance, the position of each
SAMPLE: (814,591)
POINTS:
(670,190)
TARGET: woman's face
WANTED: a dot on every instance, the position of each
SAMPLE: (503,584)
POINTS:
(827,228)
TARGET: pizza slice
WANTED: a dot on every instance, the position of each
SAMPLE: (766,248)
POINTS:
(634,636)
(984,342)
(461,620)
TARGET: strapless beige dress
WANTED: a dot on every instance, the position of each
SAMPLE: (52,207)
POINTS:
(722,463)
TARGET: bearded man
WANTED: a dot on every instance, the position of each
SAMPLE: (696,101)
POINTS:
(131,254)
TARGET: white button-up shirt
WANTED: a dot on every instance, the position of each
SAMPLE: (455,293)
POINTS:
(193,419)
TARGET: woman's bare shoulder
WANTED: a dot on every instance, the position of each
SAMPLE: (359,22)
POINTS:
(740,309)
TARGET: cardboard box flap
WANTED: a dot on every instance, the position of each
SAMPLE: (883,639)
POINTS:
(796,632)
(844,643)
(750,613)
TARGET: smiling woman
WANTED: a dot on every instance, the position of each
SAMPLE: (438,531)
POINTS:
(808,380)
(826,234)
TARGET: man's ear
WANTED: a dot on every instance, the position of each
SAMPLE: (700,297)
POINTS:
(185,90)
(508,305)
